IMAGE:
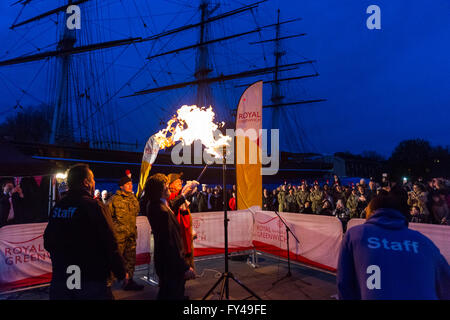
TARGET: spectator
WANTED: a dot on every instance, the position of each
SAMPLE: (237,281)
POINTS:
(203,199)
(337,181)
(267,199)
(274,203)
(382,258)
(282,199)
(339,194)
(31,204)
(439,208)
(307,209)
(291,202)
(352,204)
(193,205)
(363,200)
(326,208)
(210,194)
(11,204)
(97,194)
(347,192)
(342,213)
(105,197)
(416,216)
(362,182)
(372,191)
(327,196)
(216,201)
(232,202)
(419,197)
(316,197)
(301,197)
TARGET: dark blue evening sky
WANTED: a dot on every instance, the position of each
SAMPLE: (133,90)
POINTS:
(382,86)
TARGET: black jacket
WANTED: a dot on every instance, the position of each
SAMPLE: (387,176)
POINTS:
(216,202)
(202,201)
(80,232)
(5,206)
(169,254)
(267,203)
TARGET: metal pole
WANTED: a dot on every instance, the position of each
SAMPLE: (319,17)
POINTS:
(288,253)
(225,219)
(201,174)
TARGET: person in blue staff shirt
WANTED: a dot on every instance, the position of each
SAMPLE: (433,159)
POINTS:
(383,259)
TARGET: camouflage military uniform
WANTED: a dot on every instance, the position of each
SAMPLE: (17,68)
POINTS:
(282,201)
(352,205)
(302,197)
(316,197)
(124,208)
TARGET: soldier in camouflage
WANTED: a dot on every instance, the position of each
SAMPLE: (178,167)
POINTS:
(282,199)
(302,196)
(124,207)
(291,201)
(352,204)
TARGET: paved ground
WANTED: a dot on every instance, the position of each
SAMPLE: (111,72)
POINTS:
(304,284)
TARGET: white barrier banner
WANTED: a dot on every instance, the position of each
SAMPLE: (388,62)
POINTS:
(440,235)
(142,240)
(24,261)
(320,237)
(209,227)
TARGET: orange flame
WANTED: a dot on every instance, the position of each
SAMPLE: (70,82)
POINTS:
(193,123)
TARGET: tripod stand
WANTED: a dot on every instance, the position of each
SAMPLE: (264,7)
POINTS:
(226,276)
(289,274)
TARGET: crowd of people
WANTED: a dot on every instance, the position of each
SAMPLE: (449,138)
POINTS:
(97,230)
(428,202)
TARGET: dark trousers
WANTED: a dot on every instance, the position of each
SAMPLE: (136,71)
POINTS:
(171,288)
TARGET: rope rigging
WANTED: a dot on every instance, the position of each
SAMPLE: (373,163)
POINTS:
(90,98)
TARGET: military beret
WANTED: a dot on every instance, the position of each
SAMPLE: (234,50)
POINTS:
(124,180)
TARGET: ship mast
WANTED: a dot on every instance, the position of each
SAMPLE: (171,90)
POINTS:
(277,98)
(60,122)
(203,66)
(62,126)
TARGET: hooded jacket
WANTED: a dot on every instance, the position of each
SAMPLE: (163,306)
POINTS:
(383,259)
